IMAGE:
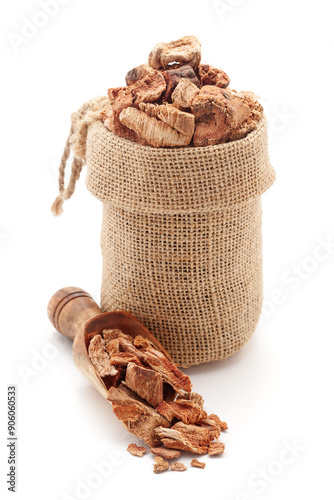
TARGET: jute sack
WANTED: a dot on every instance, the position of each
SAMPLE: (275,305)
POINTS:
(181,236)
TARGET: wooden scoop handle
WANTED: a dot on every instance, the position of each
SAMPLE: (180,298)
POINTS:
(70,308)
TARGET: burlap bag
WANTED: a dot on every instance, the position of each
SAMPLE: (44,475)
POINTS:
(181,237)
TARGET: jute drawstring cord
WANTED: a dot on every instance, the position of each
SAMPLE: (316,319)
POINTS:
(76,142)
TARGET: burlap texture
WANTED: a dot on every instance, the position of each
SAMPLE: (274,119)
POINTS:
(181,238)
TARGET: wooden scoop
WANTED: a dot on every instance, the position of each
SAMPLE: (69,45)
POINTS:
(75,314)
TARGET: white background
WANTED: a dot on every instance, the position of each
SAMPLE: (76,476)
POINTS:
(277,391)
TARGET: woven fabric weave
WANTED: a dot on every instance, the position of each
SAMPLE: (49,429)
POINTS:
(181,238)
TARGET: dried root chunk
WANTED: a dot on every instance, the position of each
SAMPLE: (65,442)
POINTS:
(215,420)
(182,122)
(243,128)
(142,343)
(146,383)
(216,448)
(186,50)
(173,77)
(160,465)
(169,372)
(196,463)
(99,357)
(115,333)
(184,94)
(115,380)
(136,451)
(208,75)
(110,117)
(151,130)
(138,417)
(137,73)
(251,100)
(123,358)
(187,437)
(186,411)
(166,453)
(219,114)
(148,89)
(113,347)
(192,396)
(178,466)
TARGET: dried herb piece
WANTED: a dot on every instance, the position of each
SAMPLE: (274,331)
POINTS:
(196,463)
(99,357)
(191,438)
(173,77)
(115,333)
(182,122)
(153,131)
(136,451)
(219,115)
(215,420)
(178,466)
(184,410)
(216,448)
(112,347)
(243,128)
(146,383)
(208,75)
(148,89)
(160,465)
(137,73)
(166,453)
(184,94)
(186,50)
(123,358)
(138,417)
(169,372)
(192,396)
(142,343)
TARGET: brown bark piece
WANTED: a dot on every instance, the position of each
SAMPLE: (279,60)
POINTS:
(216,448)
(168,370)
(184,94)
(186,411)
(182,122)
(196,463)
(138,417)
(137,73)
(160,465)
(173,77)
(192,396)
(191,438)
(208,75)
(186,50)
(136,451)
(99,357)
(146,383)
(166,453)
(153,131)
(115,333)
(178,466)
